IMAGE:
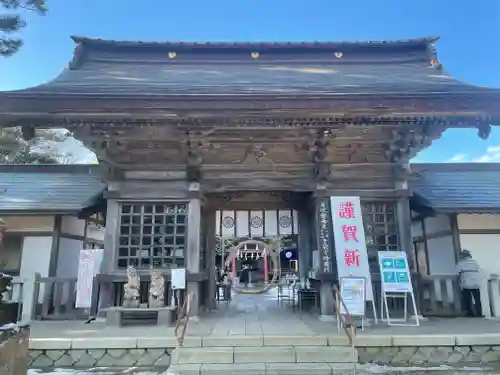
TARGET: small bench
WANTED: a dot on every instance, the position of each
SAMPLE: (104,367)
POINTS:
(127,316)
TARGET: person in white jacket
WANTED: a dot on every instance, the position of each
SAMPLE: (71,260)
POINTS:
(469,276)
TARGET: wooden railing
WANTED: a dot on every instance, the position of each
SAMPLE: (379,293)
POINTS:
(183,315)
(54,299)
(494,295)
(436,295)
(348,322)
(13,301)
(440,295)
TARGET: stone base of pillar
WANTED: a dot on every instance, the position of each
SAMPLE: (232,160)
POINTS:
(193,288)
(326,299)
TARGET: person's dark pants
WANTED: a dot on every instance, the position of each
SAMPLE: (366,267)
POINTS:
(472,307)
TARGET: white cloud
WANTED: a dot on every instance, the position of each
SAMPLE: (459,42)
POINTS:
(492,155)
(458,158)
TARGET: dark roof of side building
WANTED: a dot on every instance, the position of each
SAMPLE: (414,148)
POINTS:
(457,187)
(38,189)
(441,187)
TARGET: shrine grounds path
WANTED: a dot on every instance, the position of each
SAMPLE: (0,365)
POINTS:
(260,315)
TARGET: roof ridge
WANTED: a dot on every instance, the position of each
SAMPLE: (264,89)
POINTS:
(414,48)
(109,42)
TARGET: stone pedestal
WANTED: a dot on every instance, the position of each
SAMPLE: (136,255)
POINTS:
(326,301)
(14,345)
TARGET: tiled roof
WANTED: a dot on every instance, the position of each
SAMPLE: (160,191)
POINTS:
(131,69)
(48,188)
(458,187)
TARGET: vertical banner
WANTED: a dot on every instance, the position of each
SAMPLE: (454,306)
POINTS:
(324,237)
(350,244)
(89,265)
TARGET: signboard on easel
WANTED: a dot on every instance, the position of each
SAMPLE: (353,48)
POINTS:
(353,293)
(178,278)
(396,283)
(177,283)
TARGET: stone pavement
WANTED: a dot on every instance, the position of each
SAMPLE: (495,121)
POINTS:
(261,315)
(259,321)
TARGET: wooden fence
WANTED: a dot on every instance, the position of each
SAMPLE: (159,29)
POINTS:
(53,298)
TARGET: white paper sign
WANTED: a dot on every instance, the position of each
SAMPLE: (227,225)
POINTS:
(353,293)
(394,272)
(89,265)
(178,278)
(350,245)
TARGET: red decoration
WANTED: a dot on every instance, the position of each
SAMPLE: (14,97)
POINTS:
(346,211)
(350,232)
(351,258)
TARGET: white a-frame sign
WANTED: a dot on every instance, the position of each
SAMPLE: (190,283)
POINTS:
(396,284)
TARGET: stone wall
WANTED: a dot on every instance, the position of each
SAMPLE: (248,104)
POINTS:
(416,349)
(14,344)
(88,358)
(156,357)
(429,355)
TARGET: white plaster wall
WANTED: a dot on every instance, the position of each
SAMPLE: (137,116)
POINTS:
(35,259)
(485,248)
(416,229)
(438,223)
(73,225)
(95,232)
(67,260)
(441,255)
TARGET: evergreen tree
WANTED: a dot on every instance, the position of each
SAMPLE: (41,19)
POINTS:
(11,22)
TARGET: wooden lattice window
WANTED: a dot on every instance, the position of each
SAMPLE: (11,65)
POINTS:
(381,229)
(152,235)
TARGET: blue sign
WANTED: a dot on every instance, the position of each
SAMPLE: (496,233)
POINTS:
(395,271)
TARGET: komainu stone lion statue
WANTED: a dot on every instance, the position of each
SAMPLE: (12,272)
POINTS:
(131,290)
(157,289)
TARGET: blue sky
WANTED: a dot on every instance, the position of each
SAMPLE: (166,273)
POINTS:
(469,48)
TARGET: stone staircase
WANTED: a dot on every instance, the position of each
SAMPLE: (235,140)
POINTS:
(245,357)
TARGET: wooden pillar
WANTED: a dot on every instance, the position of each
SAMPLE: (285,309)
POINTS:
(324,243)
(110,249)
(193,249)
(56,243)
(266,267)
(305,249)
(209,217)
(403,216)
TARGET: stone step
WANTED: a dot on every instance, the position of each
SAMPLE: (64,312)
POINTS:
(264,354)
(262,369)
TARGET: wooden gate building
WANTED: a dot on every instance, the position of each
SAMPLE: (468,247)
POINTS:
(183,130)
